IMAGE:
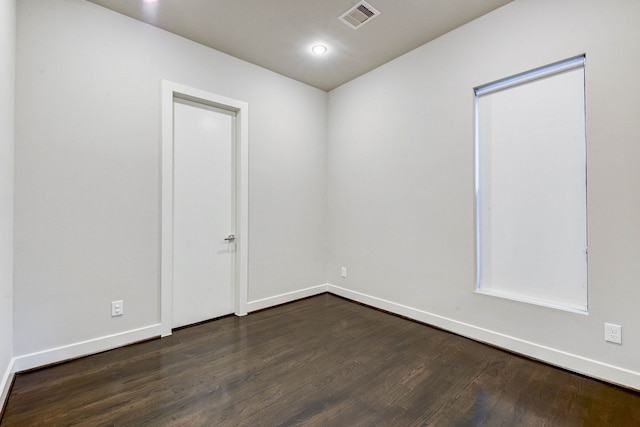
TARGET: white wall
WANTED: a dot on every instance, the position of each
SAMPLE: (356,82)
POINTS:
(7,67)
(88,171)
(399,170)
(400,181)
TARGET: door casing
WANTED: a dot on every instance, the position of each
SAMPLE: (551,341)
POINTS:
(170,91)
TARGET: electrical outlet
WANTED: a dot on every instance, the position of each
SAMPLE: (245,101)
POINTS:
(343,272)
(117,308)
(613,333)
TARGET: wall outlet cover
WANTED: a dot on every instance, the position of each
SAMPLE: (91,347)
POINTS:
(613,333)
(117,308)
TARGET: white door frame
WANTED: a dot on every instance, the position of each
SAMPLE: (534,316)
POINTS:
(170,91)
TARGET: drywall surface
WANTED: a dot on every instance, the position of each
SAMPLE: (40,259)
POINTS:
(88,124)
(7,67)
(401,181)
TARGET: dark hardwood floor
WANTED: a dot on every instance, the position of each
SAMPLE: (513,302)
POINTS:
(319,361)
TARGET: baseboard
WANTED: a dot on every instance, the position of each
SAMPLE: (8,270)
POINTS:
(284,298)
(5,385)
(572,362)
(96,345)
(84,348)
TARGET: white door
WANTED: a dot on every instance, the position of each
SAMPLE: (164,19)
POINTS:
(203,212)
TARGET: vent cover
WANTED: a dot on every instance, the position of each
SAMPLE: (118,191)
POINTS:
(359,15)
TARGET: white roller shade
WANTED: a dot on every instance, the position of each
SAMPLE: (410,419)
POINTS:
(531,226)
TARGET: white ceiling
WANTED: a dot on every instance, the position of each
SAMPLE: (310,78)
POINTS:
(278,34)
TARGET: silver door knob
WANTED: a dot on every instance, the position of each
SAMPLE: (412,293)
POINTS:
(230,238)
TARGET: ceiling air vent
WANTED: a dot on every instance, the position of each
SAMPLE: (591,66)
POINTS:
(359,15)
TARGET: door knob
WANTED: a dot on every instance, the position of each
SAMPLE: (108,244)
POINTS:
(230,238)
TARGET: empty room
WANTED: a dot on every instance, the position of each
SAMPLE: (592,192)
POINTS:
(237,212)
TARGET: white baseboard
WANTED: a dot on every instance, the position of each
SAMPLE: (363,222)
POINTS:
(284,298)
(84,348)
(592,368)
(96,345)
(572,362)
(6,381)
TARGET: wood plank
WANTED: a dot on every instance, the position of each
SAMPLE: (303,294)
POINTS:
(318,361)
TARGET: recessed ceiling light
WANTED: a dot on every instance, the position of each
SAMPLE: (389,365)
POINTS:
(319,49)
(149,1)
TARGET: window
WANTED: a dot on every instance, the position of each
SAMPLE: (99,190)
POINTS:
(530,177)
